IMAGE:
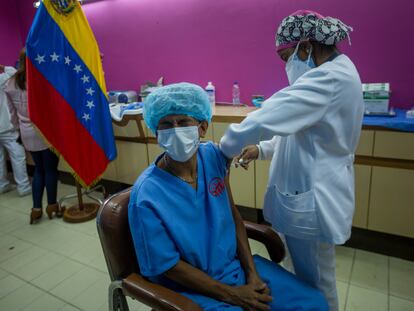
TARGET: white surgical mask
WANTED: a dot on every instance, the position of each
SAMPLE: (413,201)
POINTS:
(180,143)
(295,67)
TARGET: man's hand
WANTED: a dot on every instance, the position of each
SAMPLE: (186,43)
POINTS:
(248,154)
(257,282)
(250,298)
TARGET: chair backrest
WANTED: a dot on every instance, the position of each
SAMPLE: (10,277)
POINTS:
(115,236)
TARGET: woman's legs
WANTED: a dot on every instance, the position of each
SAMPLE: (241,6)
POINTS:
(38,182)
(50,162)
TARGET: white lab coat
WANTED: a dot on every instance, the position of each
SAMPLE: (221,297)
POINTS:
(310,194)
(5,122)
(8,137)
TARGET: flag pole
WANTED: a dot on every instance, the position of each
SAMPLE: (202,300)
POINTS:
(81,211)
(79,191)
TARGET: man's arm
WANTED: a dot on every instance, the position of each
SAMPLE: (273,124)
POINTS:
(243,248)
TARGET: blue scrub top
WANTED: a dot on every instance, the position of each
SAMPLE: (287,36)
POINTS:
(170,220)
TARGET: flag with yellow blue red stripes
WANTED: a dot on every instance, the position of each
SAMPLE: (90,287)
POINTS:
(66,89)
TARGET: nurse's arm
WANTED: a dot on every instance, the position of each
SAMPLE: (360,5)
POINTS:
(288,111)
(192,278)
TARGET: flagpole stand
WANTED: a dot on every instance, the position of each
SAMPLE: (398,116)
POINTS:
(81,212)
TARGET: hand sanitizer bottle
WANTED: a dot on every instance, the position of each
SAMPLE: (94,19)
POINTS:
(236,94)
(211,92)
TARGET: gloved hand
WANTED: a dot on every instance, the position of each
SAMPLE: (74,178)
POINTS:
(248,154)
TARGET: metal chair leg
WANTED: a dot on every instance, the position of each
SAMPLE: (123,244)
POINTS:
(116,299)
(123,302)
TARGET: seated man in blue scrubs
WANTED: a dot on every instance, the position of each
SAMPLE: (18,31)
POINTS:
(187,234)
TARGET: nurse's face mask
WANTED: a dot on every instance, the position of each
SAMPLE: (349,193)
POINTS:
(180,139)
(295,67)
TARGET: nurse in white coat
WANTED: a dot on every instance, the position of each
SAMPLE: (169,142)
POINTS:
(310,131)
(8,141)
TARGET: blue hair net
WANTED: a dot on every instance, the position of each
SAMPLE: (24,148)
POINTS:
(180,98)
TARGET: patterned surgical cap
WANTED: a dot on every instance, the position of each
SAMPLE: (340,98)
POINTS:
(309,25)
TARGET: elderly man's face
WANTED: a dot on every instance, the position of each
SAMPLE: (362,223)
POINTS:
(179,120)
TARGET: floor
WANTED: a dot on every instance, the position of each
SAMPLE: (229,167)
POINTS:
(55,265)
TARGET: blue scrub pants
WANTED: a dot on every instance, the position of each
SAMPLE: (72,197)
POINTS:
(289,294)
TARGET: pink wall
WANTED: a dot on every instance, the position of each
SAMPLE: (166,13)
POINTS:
(10,40)
(224,41)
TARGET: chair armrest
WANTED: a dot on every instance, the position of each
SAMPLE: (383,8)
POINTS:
(266,235)
(156,296)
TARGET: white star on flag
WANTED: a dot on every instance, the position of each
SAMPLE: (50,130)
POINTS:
(54,57)
(40,59)
(67,60)
(90,91)
(77,68)
(85,79)
(86,116)
(90,104)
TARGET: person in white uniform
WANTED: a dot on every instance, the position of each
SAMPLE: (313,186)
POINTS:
(8,140)
(310,131)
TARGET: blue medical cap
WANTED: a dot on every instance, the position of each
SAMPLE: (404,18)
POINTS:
(180,98)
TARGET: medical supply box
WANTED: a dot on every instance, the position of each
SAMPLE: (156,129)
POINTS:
(376,97)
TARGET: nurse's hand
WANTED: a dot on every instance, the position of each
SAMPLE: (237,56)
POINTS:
(248,154)
(250,298)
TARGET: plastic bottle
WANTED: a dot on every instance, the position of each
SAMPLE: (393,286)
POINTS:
(236,94)
(211,92)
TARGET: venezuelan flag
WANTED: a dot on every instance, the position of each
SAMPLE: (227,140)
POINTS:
(66,89)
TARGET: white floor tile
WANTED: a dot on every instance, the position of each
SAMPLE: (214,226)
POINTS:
(344,261)
(136,305)
(398,304)
(6,240)
(39,266)
(8,284)
(255,246)
(13,248)
(58,274)
(263,252)
(26,257)
(88,253)
(20,298)
(45,302)
(362,299)
(76,284)
(93,297)
(3,274)
(402,278)
(99,264)
(342,289)
(68,308)
(370,271)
